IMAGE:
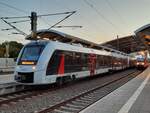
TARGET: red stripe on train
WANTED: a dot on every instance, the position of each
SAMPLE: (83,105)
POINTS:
(61,65)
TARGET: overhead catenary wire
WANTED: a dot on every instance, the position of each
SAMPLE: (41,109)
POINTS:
(67,26)
(4,19)
(62,19)
(116,12)
(45,21)
(12,7)
(101,15)
(19,17)
(83,17)
(54,26)
(21,32)
(61,26)
(64,13)
(19,21)
(7,29)
(20,10)
(10,23)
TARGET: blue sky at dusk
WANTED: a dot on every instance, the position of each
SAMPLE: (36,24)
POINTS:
(102,20)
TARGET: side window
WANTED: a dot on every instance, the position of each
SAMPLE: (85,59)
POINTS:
(68,61)
(100,61)
(78,61)
(84,59)
(73,61)
(53,64)
(105,60)
(108,61)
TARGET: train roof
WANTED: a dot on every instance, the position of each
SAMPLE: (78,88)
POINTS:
(54,35)
(74,47)
(78,48)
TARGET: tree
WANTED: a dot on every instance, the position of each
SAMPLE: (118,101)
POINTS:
(14,49)
(2,52)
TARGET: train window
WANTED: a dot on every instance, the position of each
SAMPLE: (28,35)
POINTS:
(100,61)
(112,58)
(107,61)
(31,53)
(84,59)
(68,61)
(76,61)
(53,64)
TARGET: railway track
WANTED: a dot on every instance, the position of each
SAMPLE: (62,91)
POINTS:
(20,94)
(81,101)
(71,105)
(9,88)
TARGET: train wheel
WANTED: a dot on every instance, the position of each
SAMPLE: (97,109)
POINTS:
(73,77)
(60,81)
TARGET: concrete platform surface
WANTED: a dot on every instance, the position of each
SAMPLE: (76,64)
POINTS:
(6,78)
(133,97)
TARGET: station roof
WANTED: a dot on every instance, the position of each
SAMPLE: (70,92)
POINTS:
(144,34)
(59,36)
(126,44)
(133,43)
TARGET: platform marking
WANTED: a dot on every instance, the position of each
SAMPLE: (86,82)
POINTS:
(127,106)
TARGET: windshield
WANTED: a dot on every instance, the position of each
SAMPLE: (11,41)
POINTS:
(140,59)
(31,53)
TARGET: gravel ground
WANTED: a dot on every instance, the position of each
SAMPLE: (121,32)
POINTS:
(36,103)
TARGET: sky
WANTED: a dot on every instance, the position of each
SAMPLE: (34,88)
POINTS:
(102,20)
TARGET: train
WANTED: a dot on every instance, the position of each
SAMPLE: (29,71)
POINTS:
(50,61)
(142,63)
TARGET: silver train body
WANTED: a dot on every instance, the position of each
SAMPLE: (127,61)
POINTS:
(47,62)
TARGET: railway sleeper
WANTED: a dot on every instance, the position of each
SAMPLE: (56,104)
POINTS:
(65,108)
(75,106)
(89,97)
(79,103)
(59,111)
(85,103)
(83,100)
(86,99)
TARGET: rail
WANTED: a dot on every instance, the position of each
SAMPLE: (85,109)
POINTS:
(82,100)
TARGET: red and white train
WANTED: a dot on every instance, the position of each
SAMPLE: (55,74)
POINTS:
(142,63)
(46,62)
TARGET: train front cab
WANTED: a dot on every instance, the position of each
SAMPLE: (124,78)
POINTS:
(141,65)
(29,68)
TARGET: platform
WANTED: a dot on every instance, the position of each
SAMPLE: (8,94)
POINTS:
(6,78)
(133,97)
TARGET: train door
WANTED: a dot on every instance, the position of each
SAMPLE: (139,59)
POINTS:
(92,63)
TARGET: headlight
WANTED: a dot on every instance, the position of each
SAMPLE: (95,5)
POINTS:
(33,67)
(142,63)
(137,63)
(115,63)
